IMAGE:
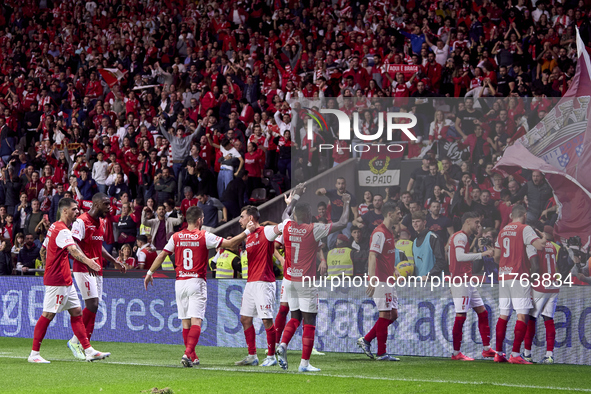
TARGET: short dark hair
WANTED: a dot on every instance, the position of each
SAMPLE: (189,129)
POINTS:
(388,207)
(518,211)
(142,238)
(302,209)
(470,215)
(65,203)
(321,204)
(253,211)
(193,214)
(98,197)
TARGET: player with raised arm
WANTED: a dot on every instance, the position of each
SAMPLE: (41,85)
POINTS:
(258,298)
(382,261)
(466,296)
(514,286)
(88,231)
(301,239)
(190,248)
(60,293)
(545,296)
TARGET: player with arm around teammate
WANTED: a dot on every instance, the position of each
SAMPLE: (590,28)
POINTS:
(301,239)
(464,294)
(514,293)
(60,293)
(190,249)
(88,231)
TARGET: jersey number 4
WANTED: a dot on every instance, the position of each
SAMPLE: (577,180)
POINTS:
(187,259)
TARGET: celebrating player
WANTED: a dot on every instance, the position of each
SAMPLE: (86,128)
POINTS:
(88,232)
(466,296)
(60,293)
(259,293)
(510,254)
(301,247)
(545,296)
(383,258)
(190,247)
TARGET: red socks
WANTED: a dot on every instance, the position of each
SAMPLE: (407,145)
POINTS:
(530,333)
(80,331)
(370,336)
(271,335)
(39,333)
(484,328)
(382,334)
(88,318)
(290,329)
(550,335)
(520,330)
(250,336)
(501,330)
(280,321)
(193,339)
(307,341)
(185,335)
(458,331)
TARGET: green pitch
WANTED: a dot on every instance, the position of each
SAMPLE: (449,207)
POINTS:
(137,368)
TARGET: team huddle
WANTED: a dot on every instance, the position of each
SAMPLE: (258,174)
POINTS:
(518,251)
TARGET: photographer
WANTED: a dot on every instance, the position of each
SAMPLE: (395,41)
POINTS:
(486,264)
(578,260)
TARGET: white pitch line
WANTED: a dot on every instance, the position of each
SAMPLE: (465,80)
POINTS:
(389,379)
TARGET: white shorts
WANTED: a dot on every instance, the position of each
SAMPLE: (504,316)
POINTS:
(60,298)
(89,286)
(258,299)
(465,297)
(284,298)
(514,296)
(385,297)
(191,297)
(302,298)
(544,304)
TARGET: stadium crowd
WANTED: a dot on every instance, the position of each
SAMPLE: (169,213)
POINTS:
(164,105)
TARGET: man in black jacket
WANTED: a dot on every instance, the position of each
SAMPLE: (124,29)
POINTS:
(234,196)
(538,193)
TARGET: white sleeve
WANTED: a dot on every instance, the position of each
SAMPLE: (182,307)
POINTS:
(531,251)
(78,230)
(529,235)
(497,245)
(377,242)
(212,241)
(321,230)
(270,233)
(459,243)
(141,256)
(170,245)
(64,239)
(279,239)
(45,242)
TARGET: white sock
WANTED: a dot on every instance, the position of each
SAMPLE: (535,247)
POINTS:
(74,340)
(513,354)
(456,352)
(549,353)
(90,350)
(486,348)
(304,363)
(284,345)
(34,353)
(527,353)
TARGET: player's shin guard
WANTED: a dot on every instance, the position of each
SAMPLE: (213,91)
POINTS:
(80,331)
(192,339)
(484,328)
(550,334)
(500,334)
(271,335)
(382,334)
(280,320)
(250,336)
(457,332)
(308,341)
(370,336)
(520,330)
(290,329)
(39,333)
(185,335)
(530,333)
(88,318)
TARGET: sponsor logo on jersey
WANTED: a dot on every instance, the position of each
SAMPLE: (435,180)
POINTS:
(97,238)
(295,272)
(301,231)
(188,236)
(510,227)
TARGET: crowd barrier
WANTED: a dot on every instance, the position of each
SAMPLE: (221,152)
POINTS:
(128,313)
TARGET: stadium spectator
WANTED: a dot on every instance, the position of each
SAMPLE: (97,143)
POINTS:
(27,255)
(427,250)
(160,226)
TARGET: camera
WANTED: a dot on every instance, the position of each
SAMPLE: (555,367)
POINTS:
(574,248)
(485,241)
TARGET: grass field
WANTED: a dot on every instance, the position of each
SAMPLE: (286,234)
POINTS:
(136,368)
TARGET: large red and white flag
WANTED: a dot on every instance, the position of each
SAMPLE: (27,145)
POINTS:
(111,75)
(559,147)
